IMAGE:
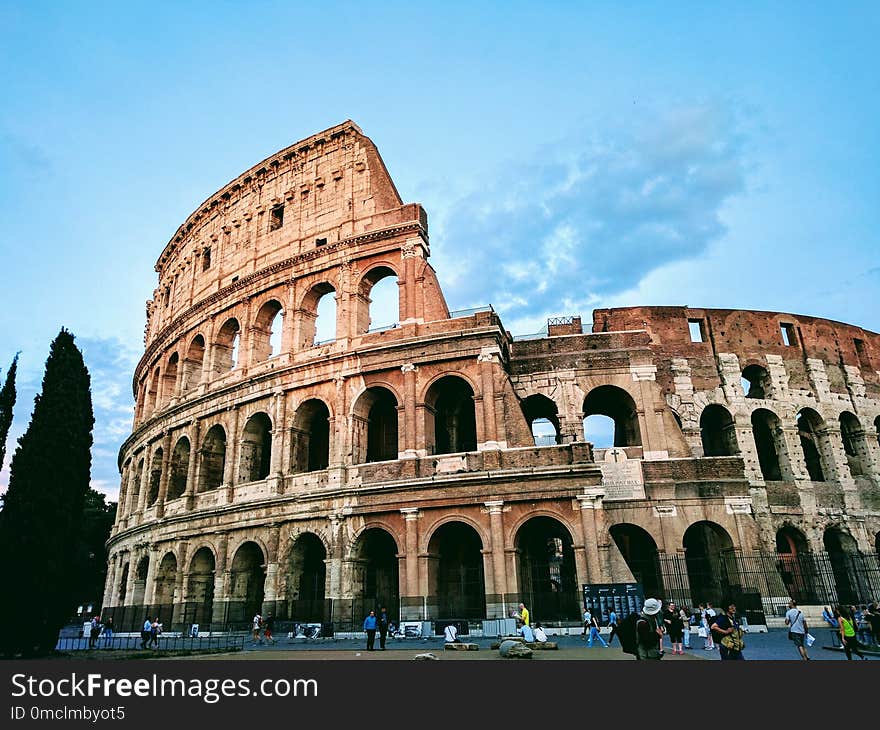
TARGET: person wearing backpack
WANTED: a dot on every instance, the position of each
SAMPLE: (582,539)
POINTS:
(797,628)
(730,634)
(648,631)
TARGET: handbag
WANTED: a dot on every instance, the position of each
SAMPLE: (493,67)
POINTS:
(702,633)
(810,639)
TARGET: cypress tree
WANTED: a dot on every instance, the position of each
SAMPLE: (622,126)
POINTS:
(7,403)
(40,525)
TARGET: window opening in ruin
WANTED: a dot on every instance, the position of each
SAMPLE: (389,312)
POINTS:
(639,552)
(382,295)
(382,427)
(192,364)
(213,458)
(862,352)
(854,445)
(179,466)
(226,347)
(206,259)
(310,437)
(325,321)
(169,379)
(809,423)
(320,241)
(267,331)
(755,382)
(717,431)
(766,432)
(256,449)
(453,427)
(789,336)
(236,341)
(617,405)
(155,477)
(542,416)
(276,217)
(697,330)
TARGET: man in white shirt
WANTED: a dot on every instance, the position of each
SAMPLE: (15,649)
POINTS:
(540,634)
(797,628)
(450,633)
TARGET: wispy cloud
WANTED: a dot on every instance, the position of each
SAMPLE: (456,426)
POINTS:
(557,234)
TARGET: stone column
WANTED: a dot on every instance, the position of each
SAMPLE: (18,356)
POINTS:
(231,454)
(178,597)
(278,441)
(107,599)
(409,602)
(145,480)
(588,506)
(166,474)
(192,469)
(654,444)
(221,583)
(496,527)
(334,558)
(270,587)
(791,456)
(133,559)
(150,583)
(487,359)
(409,411)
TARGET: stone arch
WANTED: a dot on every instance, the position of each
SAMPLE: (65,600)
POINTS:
(640,553)
(213,457)
(179,466)
(618,405)
(375,425)
(718,431)
(226,347)
(155,477)
(309,315)
(255,459)
(769,442)
(135,484)
(708,550)
(485,538)
(169,378)
(450,416)
(306,577)
(247,576)
(199,603)
(756,381)
(310,437)
(122,586)
(193,363)
(267,329)
(855,445)
(542,415)
(152,399)
(374,569)
(139,589)
(843,554)
(379,274)
(166,576)
(795,564)
(811,431)
(547,574)
(455,571)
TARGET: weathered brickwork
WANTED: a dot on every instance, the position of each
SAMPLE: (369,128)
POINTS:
(265,467)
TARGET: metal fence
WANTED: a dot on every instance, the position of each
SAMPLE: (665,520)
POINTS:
(164,642)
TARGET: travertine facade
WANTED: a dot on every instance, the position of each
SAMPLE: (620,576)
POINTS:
(399,466)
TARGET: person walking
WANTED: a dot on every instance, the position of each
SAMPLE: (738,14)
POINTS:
(108,631)
(155,630)
(797,628)
(146,631)
(268,625)
(94,631)
(612,622)
(594,630)
(848,633)
(383,622)
(256,623)
(730,634)
(370,628)
(648,631)
(674,627)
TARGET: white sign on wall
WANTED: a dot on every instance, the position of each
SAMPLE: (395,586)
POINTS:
(621,477)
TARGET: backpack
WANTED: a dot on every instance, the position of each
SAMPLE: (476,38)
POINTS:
(628,634)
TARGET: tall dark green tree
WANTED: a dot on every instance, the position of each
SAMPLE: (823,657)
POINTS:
(7,403)
(97,520)
(41,521)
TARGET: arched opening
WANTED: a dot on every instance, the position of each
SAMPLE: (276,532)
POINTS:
(200,588)
(708,553)
(317,316)
(122,586)
(756,382)
(246,582)
(226,347)
(717,431)
(153,392)
(455,573)
(268,326)
(854,444)
(810,424)
(547,575)
(166,575)
(795,565)
(379,304)
(310,437)
(193,364)
(451,425)
(768,438)
(179,466)
(139,588)
(169,379)
(375,426)
(155,477)
(135,482)
(306,578)
(256,449)
(375,577)
(641,556)
(543,419)
(843,554)
(213,458)
(618,405)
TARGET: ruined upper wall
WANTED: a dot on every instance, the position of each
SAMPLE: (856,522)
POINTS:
(317,192)
(752,336)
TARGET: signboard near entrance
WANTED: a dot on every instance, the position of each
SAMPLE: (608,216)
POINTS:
(621,477)
(623,598)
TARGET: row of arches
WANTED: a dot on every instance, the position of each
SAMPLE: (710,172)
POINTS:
(264,337)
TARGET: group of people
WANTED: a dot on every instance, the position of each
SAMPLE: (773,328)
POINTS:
(261,628)
(723,630)
(858,626)
(150,632)
(374,623)
(98,629)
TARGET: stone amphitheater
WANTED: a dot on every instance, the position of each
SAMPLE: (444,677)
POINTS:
(447,470)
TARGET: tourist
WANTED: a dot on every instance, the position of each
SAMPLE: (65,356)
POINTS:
(730,634)
(588,622)
(848,633)
(108,631)
(370,628)
(523,614)
(685,616)
(874,621)
(797,628)
(450,634)
(674,627)
(540,634)
(146,631)
(648,631)
(94,631)
(383,627)
(155,630)
(707,617)
(590,619)
(255,628)
(267,629)
(612,622)
(863,628)
(526,631)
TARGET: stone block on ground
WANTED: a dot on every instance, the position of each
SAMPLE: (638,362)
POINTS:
(515,650)
(460,646)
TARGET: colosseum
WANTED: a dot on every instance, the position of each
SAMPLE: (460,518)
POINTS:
(448,470)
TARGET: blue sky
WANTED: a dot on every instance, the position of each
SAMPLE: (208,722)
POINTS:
(582,154)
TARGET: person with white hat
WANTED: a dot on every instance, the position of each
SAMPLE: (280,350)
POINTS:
(649,631)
